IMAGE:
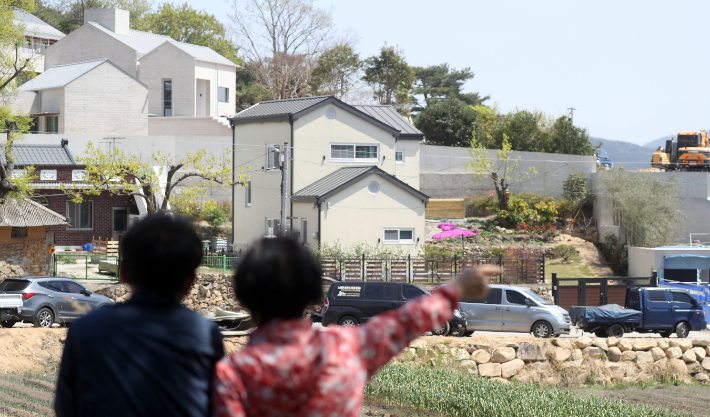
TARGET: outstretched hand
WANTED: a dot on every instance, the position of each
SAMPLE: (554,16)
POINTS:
(473,283)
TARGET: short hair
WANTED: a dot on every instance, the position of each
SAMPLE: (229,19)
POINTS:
(160,253)
(278,279)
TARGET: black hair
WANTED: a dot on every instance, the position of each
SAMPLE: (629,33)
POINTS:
(278,279)
(160,253)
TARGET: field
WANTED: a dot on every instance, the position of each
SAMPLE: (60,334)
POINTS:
(680,398)
(27,395)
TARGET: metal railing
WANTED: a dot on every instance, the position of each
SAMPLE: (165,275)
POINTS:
(86,266)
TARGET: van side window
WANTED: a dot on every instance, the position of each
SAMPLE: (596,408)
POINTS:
(681,297)
(656,295)
(494,297)
(514,297)
(410,293)
(380,292)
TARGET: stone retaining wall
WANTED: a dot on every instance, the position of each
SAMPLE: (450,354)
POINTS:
(26,257)
(568,361)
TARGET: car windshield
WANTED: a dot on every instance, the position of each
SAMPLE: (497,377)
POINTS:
(602,154)
(535,297)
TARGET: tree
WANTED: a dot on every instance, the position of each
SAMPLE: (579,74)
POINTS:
(281,40)
(447,123)
(500,171)
(391,78)
(248,91)
(160,182)
(570,139)
(67,15)
(439,82)
(645,205)
(185,24)
(576,192)
(336,71)
(485,125)
(525,131)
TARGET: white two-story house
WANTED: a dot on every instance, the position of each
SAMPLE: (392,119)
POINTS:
(353,174)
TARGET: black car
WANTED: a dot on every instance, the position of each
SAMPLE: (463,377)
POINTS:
(353,303)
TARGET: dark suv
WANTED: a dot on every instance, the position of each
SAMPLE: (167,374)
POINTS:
(352,303)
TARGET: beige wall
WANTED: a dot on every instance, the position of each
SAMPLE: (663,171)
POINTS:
(167,62)
(219,76)
(91,108)
(187,126)
(86,44)
(357,216)
(409,170)
(309,212)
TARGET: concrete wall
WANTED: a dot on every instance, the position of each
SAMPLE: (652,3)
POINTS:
(187,126)
(443,172)
(168,62)
(218,76)
(116,20)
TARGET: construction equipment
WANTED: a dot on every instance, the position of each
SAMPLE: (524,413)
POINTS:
(690,152)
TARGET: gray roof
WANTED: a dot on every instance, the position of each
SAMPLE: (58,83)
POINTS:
(278,107)
(23,212)
(144,42)
(36,27)
(41,155)
(60,75)
(337,181)
(389,115)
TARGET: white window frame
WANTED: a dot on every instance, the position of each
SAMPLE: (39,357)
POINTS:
(273,228)
(91,202)
(395,157)
(247,194)
(399,241)
(18,173)
(48,175)
(226,95)
(270,154)
(78,174)
(354,158)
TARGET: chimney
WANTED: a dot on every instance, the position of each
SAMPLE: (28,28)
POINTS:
(115,20)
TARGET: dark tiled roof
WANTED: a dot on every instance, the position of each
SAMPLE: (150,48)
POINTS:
(389,116)
(278,107)
(41,155)
(340,179)
(23,212)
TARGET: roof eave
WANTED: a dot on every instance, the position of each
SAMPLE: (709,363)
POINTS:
(348,108)
(257,119)
(304,199)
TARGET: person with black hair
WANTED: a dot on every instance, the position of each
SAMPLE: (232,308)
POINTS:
(290,369)
(150,356)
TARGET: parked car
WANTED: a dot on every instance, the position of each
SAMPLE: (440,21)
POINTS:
(603,159)
(514,309)
(353,303)
(49,300)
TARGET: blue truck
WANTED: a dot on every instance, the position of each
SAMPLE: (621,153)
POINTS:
(648,310)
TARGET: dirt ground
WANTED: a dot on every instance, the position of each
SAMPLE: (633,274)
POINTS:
(31,349)
(690,399)
(589,254)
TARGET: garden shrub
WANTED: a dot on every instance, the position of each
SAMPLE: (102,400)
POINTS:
(479,206)
(529,212)
(614,252)
(564,251)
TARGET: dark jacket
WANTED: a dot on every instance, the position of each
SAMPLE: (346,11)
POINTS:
(148,357)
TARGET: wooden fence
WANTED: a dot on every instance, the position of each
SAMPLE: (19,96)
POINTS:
(454,208)
(104,247)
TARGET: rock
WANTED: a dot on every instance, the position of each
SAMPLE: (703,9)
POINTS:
(583,342)
(442,349)
(484,346)
(644,357)
(572,364)
(577,355)
(683,344)
(625,344)
(419,343)
(693,368)
(502,355)
(460,354)
(674,352)
(644,344)
(707,350)
(511,368)
(628,356)
(501,380)
(663,343)
(701,342)
(678,366)
(472,371)
(559,354)
(533,352)
(513,345)
(706,364)
(702,377)
(593,352)
(699,352)
(616,370)
(481,356)
(657,353)
(689,356)
(468,363)
(600,343)
(611,341)
(563,343)
(614,354)
(489,369)
(470,348)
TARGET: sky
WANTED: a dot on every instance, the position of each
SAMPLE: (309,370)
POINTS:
(634,70)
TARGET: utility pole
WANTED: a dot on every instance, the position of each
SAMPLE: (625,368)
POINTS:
(571,122)
(284,187)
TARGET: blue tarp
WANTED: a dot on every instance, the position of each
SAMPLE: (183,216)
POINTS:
(87,247)
(604,314)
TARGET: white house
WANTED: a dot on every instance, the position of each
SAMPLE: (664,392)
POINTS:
(353,173)
(38,37)
(184,80)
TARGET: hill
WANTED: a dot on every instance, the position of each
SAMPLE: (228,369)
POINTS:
(654,144)
(627,155)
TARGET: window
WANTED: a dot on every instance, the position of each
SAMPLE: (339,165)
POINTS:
(167,98)
(494,297)
(18,173)
(410,292)
(399,157)
(273,227)
(14,285)
(56,286)
(681,297)
(80,215)
(78,175)
(223,95)
(330,113)
(247,194)
(657,295)
(514,297)
(380,292)
(18,232)
(304,231)
(399,236)
(52,124)
(273,157)
(73,287)
(48,175)
(354,153)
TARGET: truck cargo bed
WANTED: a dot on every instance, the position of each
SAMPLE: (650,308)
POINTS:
(610,313)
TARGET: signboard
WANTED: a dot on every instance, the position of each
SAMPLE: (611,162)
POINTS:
(349,291)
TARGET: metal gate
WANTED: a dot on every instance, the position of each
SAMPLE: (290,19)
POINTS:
(593,292)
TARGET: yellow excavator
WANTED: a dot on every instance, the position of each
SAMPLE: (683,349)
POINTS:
(689,152)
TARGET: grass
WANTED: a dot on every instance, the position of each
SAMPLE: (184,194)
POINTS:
(574,268)
(451,393)
(29,393)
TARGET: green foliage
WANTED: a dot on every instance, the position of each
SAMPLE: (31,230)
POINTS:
(575,193)
(439,82)
(447,122)
(215,217)
(337,251)
(614,252)
(336,71)
(564,251)
(66,16)
(248,91)
(569,139)
(391,78)
(528,212)
(646,205)
(480,206)
(441,252)
(456,394)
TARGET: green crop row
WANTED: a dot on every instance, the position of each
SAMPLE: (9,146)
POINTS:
(450,393)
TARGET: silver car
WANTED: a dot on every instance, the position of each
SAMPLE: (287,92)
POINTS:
(49,300)
(514,309)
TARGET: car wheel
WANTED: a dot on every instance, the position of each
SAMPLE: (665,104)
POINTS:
(600,333)
(468,333)
(8,324)
(665,334)
(542,329)
(348,321)
(44,318)
(442,330)
(682,330)
(616,330)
